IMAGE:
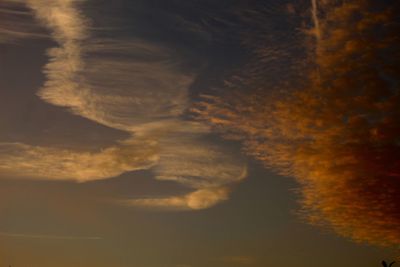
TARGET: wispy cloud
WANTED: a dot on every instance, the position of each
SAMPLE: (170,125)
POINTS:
(17,22)
(198,164)
(34,162)
(197,200)
(314,11)
(128,84)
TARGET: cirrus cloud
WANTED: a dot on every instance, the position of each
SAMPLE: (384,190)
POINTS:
(127,84)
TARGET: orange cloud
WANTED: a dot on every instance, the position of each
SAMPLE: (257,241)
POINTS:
(339,134)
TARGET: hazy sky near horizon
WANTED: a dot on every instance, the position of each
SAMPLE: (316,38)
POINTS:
(102,161)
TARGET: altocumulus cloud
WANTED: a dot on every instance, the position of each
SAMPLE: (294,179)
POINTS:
(338,132)
(127,84)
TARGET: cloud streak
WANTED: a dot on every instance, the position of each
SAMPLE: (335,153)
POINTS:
(17,22)
(197,200)
(314,11)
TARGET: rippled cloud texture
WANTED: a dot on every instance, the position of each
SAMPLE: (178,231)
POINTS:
(127,84)
(338,133)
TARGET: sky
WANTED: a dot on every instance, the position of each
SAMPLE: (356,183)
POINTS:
(199,133)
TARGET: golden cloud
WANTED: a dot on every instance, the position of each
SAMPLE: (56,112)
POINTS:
(43,163)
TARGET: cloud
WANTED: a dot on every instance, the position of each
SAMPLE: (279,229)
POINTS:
(314,12)
(17,22)
(337,133)
(197,200)
(119,93)
(119,83)
(197,163)
(128,84)
(35,162)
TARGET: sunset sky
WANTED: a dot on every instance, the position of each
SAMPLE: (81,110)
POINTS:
(173,133)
